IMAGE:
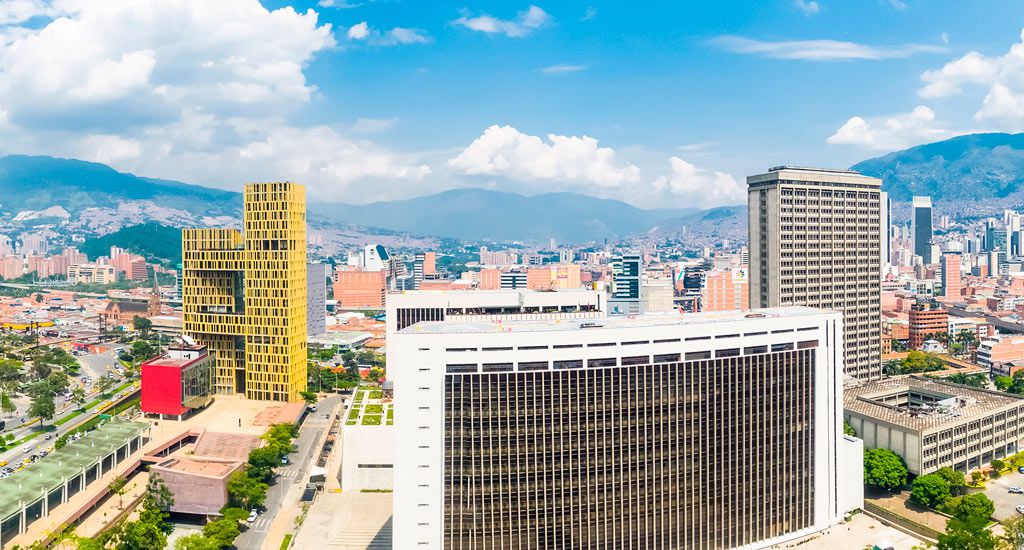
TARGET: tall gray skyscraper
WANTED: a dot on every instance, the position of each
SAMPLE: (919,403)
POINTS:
(921,228)
(316,299)
(885,218)
(815,240)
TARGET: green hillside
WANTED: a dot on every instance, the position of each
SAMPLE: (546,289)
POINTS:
(154,241)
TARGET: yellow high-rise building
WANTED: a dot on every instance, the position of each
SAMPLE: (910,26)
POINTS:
(244,294)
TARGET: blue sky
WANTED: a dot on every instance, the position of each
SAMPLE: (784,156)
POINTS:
(666,104)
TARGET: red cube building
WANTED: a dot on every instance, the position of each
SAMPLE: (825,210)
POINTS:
(177,382)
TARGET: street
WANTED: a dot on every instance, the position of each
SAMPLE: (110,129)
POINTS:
(296,473)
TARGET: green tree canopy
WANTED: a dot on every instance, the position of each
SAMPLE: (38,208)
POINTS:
(42,406)
(929,490)
(954,478)
(262,462)
(975,507)
(884,469)
(966,535)
(223,532)
(246,492)
(140,535)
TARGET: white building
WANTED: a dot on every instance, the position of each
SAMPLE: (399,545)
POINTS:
(408,308)
(646,432)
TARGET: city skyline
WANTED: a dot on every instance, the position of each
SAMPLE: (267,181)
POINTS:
(347,97)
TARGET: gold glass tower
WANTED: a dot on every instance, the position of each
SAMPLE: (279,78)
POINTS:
(244,294)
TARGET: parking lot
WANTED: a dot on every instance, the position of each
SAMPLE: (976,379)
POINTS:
(1005,501)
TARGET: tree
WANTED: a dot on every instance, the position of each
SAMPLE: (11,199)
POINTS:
(119,486)
(142,350)
(954,478)
(196,541)
(140,535)
(156,503)
(309,397)
(57,381)
(929,490)
(104,383)
(884,469)
(966,535)
(976,477)
(997,465)
(78,396)
(142,325)
(975,507)
(10,370)
(262,462)
(246,492)
(1013,532)
(223,532)
(42,406)
(6,404)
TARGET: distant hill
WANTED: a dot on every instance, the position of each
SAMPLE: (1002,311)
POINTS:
(154,241)
(484,214)
(975,166)
(723,222)
(40,182)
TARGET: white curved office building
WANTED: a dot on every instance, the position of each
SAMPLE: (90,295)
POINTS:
(715,430)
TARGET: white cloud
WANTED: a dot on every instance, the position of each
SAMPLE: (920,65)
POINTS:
(891,133)
(109,148)
(563,68)
(687,184)
(1001,76)
(898,5)
(944,36)
(374,125)
(808,7)
(359,31)
(125,62)
(396,36)
(590,13)
(819,50)
(339,4)
(525,21)
(505,151)
(19,11)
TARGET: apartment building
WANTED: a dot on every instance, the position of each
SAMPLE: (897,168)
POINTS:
(1002,355)
(316,299)
(932,424)
(724,290)
(357,289)
(815,241)
(951,276)
(244,294)
(711,430)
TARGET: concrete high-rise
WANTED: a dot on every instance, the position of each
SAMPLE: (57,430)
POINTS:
(951,280)
(921,228)
(885,220)
(710,430)
(815,240)
(244,294)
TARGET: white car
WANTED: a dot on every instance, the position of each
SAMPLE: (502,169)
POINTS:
(1016,490)
(1020,509)
(26,449)
(254,513)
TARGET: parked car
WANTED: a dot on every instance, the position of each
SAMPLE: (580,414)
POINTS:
(254,513)
(1020,509)
(1017,490)
(48,437)
(284,460)
(1021,469)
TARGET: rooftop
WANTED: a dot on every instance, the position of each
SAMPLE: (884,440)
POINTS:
(226,446)
(49,472)
(646,320)
(201,468)
(920,403)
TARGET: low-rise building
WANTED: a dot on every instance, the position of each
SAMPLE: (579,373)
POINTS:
(926,320)
(932,424)
(998,354)
(91,274)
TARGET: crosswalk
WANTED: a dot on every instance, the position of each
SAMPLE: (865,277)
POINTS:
(262,524)
(289,472)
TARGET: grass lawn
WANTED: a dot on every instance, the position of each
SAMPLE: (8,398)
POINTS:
(371,420)
(374,409)
(353,414)
(376,394)
(359,395)
(67,418)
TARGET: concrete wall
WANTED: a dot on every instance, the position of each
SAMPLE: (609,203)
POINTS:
(368,458)
(850,474)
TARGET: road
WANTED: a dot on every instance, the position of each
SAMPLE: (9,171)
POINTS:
(296,473)
(15,456)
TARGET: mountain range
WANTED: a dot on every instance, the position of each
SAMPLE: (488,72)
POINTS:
(973,166)
(101,200)
(482,214)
